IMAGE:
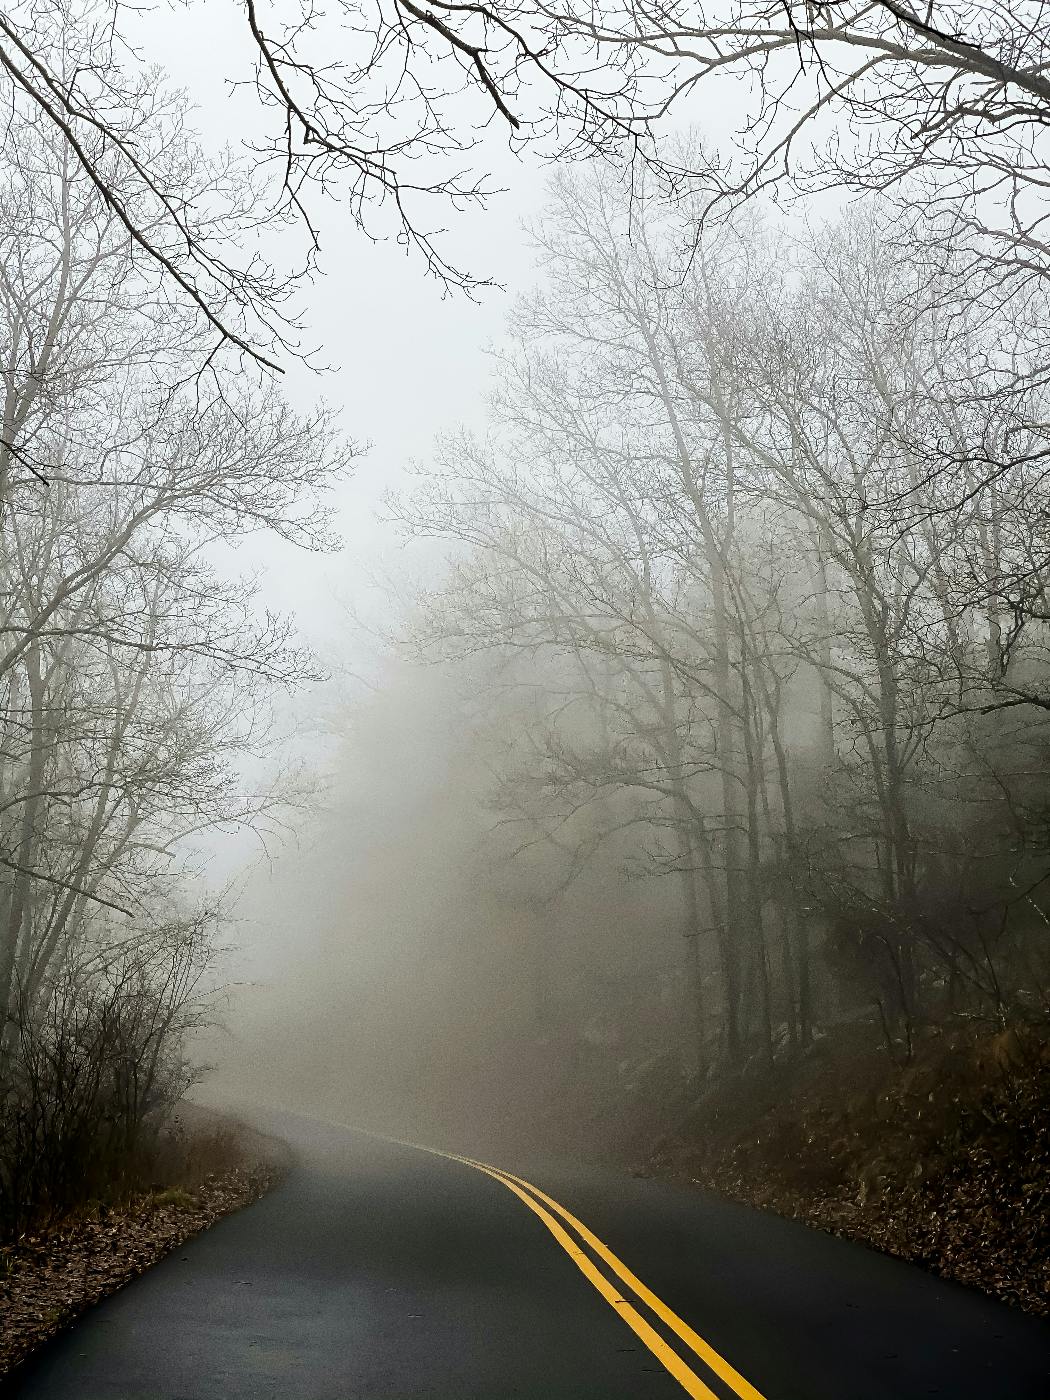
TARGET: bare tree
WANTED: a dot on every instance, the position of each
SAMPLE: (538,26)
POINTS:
(391,128)
(136,670)
(685,541)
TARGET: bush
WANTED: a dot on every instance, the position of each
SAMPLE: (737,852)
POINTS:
(90,1071)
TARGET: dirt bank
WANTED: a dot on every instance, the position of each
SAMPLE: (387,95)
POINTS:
(944,1161)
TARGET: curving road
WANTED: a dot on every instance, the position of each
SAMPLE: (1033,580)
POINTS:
(379,1271)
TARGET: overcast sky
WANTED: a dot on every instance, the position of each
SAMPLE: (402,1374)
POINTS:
(409,362)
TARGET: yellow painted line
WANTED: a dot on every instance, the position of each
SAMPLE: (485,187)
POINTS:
(707,1354)
(668,1358)
(531,1196)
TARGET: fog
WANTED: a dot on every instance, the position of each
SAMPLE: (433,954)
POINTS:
(697,714)
(539,691)
(682,738)
(413,979)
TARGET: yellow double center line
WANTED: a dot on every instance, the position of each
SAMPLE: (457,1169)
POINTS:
(552,1214)
(548,1209)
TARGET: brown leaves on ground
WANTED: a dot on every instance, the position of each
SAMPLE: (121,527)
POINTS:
(49,1278)
(945,1162)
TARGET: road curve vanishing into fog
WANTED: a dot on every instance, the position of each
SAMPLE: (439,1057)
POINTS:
(381,1271)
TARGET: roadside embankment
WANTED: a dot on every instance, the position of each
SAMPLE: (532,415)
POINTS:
(207,1167)
(944,1161)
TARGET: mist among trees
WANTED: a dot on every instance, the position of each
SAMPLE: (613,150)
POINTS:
(135,665)
(719,739)
(721,734)
(755,545)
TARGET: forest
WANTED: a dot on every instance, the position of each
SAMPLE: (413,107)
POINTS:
(707,748)
(752,563)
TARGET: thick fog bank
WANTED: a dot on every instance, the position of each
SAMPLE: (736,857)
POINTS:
(414,979)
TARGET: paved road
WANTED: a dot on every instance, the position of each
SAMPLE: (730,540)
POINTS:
(381,1272)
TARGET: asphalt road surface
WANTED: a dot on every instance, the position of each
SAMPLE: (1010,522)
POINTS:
(379,1271)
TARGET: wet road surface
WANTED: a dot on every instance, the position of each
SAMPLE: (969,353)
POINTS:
(378,1271)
